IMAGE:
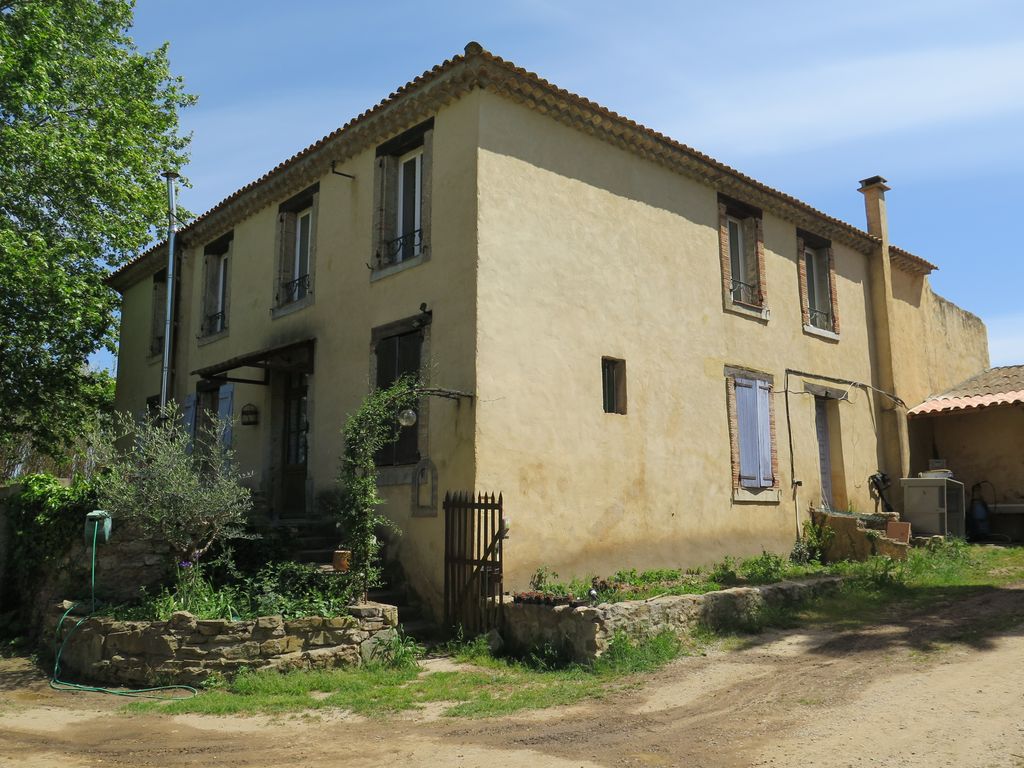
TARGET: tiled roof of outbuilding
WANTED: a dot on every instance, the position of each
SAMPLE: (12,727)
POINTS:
(485,70)
(996,386)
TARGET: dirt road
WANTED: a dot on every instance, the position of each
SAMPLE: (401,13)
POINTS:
(941,688)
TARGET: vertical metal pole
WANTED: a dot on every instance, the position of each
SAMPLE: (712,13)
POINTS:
(165,372)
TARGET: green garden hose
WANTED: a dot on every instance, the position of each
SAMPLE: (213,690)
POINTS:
(61,685)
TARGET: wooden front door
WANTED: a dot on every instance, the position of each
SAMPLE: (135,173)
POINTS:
(296,429)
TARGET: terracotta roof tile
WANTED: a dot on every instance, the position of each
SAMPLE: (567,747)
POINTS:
(900,257)
(996,386)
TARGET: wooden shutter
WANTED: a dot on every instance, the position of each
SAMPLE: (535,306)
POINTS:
(225,413)
(747,428)
(750,267)
(426,182)
(764,435)
(314,215)
(285,254)
(385,191)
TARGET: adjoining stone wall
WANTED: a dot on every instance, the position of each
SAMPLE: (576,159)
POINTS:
(187,650)
(583,633)
(853,540)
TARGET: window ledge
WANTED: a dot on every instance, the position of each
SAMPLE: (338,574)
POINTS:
(758,313)
(396,474)
(762,496)
(210,338)
(379,273)
(814,330)
(291,306)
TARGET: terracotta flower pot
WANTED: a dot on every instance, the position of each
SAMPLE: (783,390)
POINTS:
(341,560)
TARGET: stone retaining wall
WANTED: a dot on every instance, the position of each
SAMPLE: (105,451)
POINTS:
(583,633)
(188,650)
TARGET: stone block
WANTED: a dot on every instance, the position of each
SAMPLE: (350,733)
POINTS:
(129,643)
(367,610)
(371,625)
(211,626)
(182,621)
(160,645)
(269,623)
(343,622)
(191,653)
(306,623)
(347,636)
(247,650)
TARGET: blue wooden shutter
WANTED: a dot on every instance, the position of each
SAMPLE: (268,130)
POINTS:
(188,418)
(225,412)
(764,435)
(746,418)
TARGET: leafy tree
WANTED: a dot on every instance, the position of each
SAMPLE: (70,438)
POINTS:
(87,122)
(179,490)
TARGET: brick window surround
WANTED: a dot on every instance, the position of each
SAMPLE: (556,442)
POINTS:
(732,374)
(754,293)
(803,242)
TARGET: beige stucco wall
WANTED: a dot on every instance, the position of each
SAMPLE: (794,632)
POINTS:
(936,344)
(588,251)
(138,372)
(346,306)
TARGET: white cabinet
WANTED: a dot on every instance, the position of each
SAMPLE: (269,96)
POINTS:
(934,505)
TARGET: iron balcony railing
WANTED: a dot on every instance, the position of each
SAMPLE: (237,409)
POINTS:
(404,247)
(215,323)
(295,289)
(745,293)
(821,318)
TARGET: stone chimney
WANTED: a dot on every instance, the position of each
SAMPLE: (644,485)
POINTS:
(874,190)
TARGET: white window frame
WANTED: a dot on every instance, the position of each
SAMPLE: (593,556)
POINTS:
(306,213)
(417,155)
(819,293)
(222,290)
(734,228)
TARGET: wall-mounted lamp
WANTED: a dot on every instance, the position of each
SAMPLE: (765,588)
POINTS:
(250,415)
(407,417)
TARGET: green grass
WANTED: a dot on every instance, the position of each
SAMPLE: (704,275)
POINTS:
(489,687)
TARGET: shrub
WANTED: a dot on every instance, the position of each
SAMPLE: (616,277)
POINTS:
(44,519)
(766,568)
(811,546)
(183,491)
(725,572)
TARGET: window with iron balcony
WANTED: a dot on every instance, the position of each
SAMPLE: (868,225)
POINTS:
(402,187)
(296,249)
(741,250)
(216,286)
(816,270)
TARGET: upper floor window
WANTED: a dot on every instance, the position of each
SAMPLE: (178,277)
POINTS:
(217,261)
(741,244)
(402,190)
(296,247)
(817,284)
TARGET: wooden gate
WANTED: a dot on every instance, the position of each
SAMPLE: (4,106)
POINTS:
(473,536)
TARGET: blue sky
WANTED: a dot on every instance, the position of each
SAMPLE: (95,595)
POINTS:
(808,97)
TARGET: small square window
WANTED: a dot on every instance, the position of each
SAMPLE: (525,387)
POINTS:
(613,382)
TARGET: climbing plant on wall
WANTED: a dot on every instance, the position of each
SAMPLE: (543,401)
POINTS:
(366,432)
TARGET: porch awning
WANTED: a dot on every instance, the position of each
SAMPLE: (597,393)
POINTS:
(996,386)
(295,356)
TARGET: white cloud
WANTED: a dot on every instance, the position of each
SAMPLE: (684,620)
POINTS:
(826,103)
(1006,339)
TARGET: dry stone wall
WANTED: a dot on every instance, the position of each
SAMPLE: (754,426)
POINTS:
(583,633)
(187,650)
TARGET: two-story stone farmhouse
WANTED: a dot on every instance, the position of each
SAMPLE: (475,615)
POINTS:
(663,360)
